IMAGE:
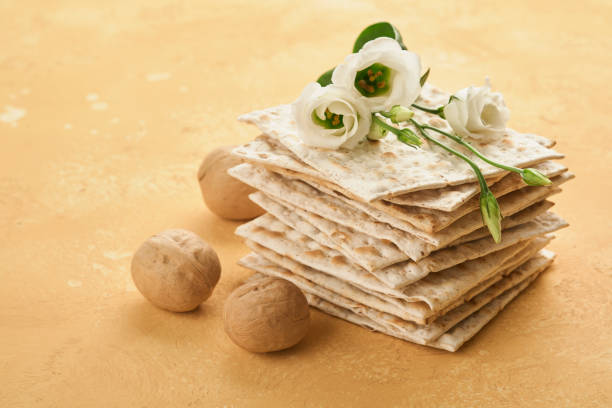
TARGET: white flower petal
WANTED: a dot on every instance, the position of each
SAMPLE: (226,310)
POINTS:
(405,75)
(480,114)
(456,114)
(314,98)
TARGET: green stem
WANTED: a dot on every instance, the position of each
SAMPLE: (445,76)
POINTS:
(481,180)
(384,124)
(474,150)
(436,111)
(405,136)
(489,207)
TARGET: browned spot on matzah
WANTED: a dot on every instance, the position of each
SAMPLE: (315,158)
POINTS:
(389,155)
(335,163)
(273,234)
(338,260)
(317,253)
(367,250)
(339,235)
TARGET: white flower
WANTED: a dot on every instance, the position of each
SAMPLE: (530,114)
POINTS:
(331,117)
(382,72)
(478,113)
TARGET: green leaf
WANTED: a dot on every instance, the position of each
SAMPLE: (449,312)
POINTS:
(325,78)
(424,77)
(382,29)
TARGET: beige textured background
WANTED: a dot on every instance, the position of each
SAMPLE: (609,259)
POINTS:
(84,181)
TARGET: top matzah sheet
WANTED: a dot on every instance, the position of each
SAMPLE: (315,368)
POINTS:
(272,155)
(269,153)
(385,168)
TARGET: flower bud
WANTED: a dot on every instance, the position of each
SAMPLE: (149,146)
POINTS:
(400,113)
(376,131)
(533,177)
(491,214)
(408,137)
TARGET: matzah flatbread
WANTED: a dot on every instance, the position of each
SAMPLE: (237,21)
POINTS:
(450,341)
(451,198)
(404,273)
(434,220)
(407,310)
(277,159)
(266,152)
(307,197)
(416,220)
(518,218)
(386,168)
(454,338)
(333,208)
(506,268)
(368,252)
(437,290)
(464,331)
(508,204)
(418,311)
(383,259)
(421,334)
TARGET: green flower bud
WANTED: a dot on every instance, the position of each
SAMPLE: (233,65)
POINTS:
(533,177)
(491,214)
(408,137)
(376,131)
(400,113)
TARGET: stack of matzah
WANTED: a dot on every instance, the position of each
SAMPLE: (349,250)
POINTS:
(391,238)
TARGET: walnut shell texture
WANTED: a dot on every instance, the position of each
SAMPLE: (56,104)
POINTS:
(265,315)
(223,194)
(175,270)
